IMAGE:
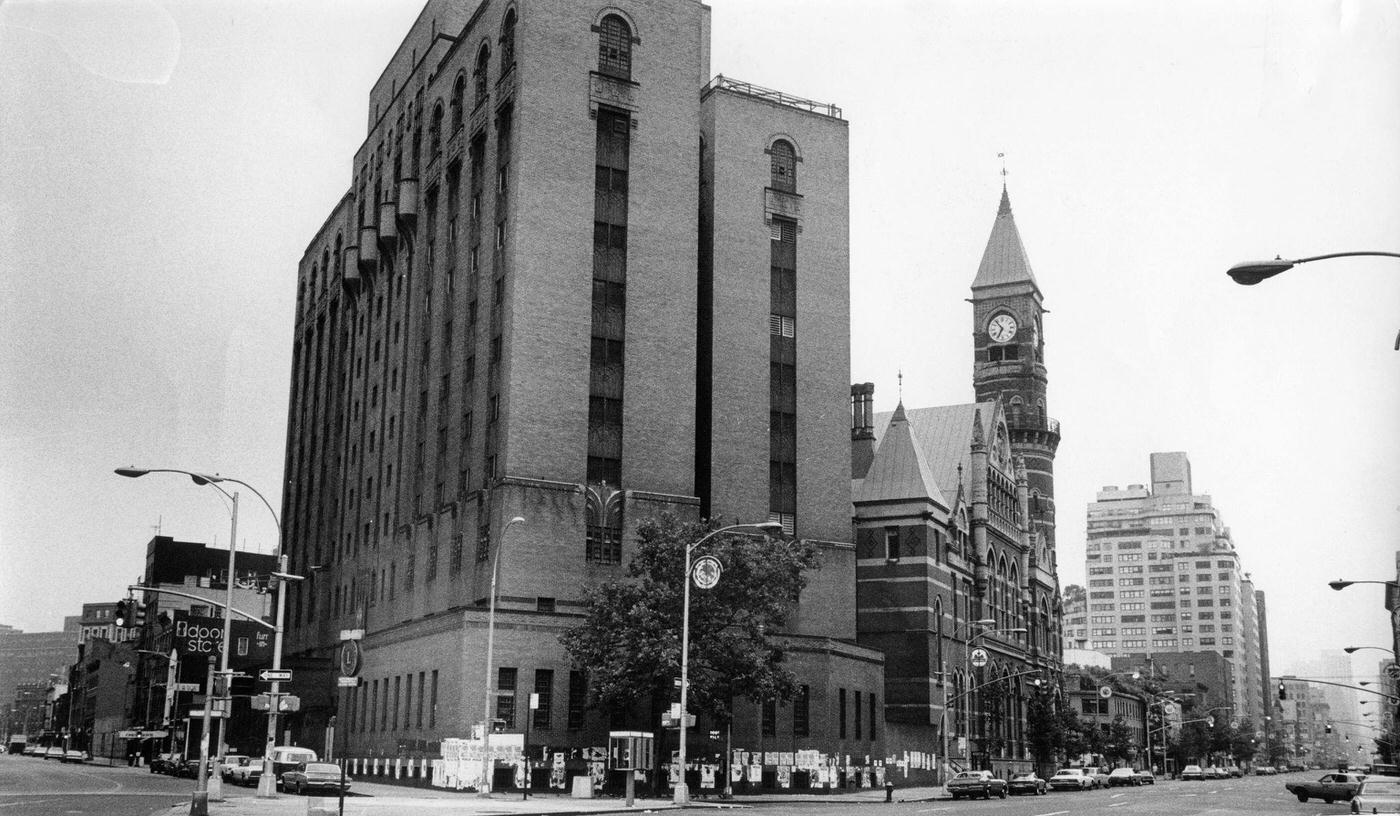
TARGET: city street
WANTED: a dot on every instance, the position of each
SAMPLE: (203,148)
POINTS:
(39,787)
(30,787)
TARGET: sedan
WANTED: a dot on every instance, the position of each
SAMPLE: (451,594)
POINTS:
(1027,783)
(1072,779)
(1146,777)
(1192,772)
(976,783)
(328,776)
(1123,776)
(1377,794)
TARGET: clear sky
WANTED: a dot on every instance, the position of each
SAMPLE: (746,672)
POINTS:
(163,165)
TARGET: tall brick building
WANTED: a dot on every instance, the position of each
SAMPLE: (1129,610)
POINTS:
(954,520)
(566,273)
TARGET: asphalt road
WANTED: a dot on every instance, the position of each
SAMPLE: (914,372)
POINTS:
(1251,795)
(46,787)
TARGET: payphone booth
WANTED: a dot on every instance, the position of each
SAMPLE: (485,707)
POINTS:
(629,752)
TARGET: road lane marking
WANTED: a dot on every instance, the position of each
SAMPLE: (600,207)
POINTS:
(1118,804)
(1116,795)
(1056,813)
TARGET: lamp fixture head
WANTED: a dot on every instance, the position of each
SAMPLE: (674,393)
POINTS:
(1252,272)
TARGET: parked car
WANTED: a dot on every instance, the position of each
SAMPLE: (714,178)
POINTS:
(72,755)
(247,772)
(1236,772)
(55,752)
(1377,794)
(1099,775)
(1192,773)
(164,763)
(1265,770)
(189,767)
(976,783)
(288,757)
(1146,777)
(33,749)
(327,776)
(1027,783)
(1123,776)
(1332,787)
(1072,779)
(230,762)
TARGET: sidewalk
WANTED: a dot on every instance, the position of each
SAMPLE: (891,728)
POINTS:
(383,800)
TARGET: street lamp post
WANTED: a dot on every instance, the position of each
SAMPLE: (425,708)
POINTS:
(943,717)
(1252,272)
(486,762)
(681,794)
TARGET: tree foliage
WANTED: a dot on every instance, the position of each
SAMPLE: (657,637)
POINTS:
(630,640)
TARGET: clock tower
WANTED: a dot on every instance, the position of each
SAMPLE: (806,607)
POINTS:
(1009,365)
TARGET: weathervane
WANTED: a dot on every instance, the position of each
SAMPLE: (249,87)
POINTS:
(1002,156)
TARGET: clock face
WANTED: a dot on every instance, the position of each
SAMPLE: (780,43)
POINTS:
(1002,328)
(350,658)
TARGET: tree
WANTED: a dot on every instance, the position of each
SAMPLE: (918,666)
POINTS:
(630,640)
(1046,724)
(1118,743)
(1243,742)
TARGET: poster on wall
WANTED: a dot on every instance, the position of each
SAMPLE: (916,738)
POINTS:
(784,776)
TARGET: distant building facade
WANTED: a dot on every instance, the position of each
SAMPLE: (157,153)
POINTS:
(1164,576)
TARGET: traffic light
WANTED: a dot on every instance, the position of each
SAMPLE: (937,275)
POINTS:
(123,614)
(1328,728)
(1282,692)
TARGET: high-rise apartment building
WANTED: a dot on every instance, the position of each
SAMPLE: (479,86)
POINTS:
(574,283)
(1163,575)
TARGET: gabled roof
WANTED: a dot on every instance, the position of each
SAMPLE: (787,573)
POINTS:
(899,470)
(1004,261)
(943,435)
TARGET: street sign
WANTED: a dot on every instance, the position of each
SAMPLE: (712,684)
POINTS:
(186,687)
(139,734)
(1393,671)
(1105,692)
(348,682)
(198,713)
(352,634)
(667,721)
(979,657)
(260,702)
(275,675)
(288,702)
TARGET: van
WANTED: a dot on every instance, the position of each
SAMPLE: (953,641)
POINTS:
(287,757)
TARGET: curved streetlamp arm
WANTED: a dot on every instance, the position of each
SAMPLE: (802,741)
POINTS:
(1348,255)
(213,480)
(210,601)
(1252,272)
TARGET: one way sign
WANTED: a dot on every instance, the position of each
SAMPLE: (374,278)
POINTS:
(278,675)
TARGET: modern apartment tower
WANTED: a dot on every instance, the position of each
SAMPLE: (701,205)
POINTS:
(1164,576)
(576,283)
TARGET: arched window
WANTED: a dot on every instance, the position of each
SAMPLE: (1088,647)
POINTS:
(938,642)
(435,132)
(784,166)
(479,75)
(339,257)
(459,88)
(508,41)
(615,47)
(325,265)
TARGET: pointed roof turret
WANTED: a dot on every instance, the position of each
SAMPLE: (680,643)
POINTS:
(899,472)
(1004,260)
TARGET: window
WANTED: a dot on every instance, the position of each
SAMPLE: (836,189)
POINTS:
(479,74)
(841,713)
(544,690)
(770,717)
(615,47)
(505,695)
(892,543)
(578,699)
(508,41)
(801,712)
(458,91)
(783,166)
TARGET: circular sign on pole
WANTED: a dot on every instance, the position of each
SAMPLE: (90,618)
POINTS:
(1105,692)
(350,658)
(1169,709)
(979,657)
(707,570)
(1393,671)
(1210,722)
